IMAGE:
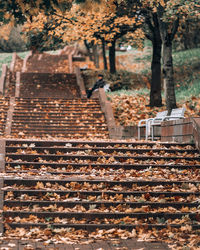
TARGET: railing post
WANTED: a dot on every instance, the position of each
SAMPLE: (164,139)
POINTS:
(70,63)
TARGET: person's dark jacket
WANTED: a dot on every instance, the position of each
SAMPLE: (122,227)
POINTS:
(100,83)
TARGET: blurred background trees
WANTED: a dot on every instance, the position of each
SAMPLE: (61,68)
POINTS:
(102,26)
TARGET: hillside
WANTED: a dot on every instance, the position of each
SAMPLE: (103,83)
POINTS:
(130,105)
(133,83)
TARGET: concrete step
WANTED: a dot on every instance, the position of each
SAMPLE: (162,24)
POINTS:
(58,117)
(72,184)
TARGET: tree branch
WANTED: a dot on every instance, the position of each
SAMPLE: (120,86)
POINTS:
(174,28)
(149,36)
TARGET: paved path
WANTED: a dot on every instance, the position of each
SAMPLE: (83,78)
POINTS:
(129,244)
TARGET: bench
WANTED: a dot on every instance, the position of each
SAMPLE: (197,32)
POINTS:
(147,122)
(151,123)
(176,114)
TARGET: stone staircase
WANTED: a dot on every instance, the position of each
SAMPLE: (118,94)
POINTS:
(47,85)
(61,180)
(101,189)
(43,63)
(52,105)
(59,118)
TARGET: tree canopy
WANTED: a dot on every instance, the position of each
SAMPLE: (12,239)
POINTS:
(106,21)
(97,23)
(20,10)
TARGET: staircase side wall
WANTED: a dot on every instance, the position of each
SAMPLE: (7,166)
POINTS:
(180,131)
(115,132)
(196,131)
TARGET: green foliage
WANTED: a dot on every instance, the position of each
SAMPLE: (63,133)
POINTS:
(187,74)
(123,79)
(5,58)
(137,57)
(40,41)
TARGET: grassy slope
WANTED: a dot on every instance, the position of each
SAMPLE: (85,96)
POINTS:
(130,105)
(186,68)
(6,58)
(186,64)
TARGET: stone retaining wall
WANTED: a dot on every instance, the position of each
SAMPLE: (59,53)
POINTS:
(183,131)
(115,132)
(177,130)
(196,131)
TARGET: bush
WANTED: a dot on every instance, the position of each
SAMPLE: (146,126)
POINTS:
(14,43)
(121,80)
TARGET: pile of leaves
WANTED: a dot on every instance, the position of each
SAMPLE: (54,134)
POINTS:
(130,109)
(193,106)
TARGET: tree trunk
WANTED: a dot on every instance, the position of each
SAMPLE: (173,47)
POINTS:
(88,50)
(112,59)
(96,56)
(168,74)
(104,55)
(155,93)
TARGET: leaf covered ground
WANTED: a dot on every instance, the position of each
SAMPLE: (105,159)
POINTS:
(130,109)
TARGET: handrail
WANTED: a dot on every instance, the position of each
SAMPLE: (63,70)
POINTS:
(80,82)
(24,68)
(3,78)
(12,64)
(70,60)
(70,63)
(10,116)
(107,109)
(17,85)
